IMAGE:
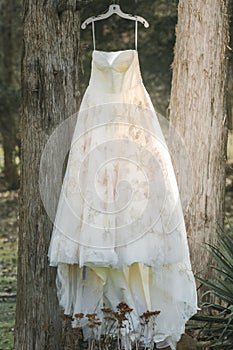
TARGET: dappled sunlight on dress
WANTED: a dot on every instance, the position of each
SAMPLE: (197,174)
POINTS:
(119,233)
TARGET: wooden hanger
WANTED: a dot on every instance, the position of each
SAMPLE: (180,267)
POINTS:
(114,9)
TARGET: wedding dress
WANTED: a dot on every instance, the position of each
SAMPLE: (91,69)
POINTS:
(119,233)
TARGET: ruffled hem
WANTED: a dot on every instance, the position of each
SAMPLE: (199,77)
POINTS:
(169,290)
(153,249)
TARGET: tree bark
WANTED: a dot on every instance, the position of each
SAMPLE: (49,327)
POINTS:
(198,114)
(50,95)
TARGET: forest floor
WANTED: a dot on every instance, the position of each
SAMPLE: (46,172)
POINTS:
(8,266)
(8,256)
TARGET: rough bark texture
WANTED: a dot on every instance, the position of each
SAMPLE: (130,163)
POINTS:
(50,95)
(198,113)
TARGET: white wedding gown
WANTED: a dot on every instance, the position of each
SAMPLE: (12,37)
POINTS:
(119,233)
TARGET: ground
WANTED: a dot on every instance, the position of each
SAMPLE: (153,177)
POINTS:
(8,260)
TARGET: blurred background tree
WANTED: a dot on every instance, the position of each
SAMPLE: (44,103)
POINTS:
(155,46)
(114,34)
(10,57)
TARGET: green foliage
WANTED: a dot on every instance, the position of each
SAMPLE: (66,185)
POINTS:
(215,322)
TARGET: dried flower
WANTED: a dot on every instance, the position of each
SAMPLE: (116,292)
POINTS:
(91,316)
(148,314)
(107,310)
(66,317)
(122,306)
(91,325)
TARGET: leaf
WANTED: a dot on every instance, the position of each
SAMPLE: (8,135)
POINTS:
(215,322)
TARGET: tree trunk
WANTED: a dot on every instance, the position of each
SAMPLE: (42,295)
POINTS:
(198,114)
(50,95)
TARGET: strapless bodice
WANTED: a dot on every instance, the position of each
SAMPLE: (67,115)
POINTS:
(116,71)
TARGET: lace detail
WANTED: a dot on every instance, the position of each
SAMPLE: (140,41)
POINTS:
(119,233)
